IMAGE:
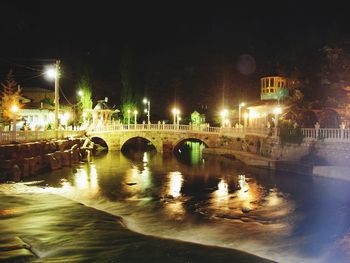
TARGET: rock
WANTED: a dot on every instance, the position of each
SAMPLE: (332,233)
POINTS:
(67,158)
(246,209)
(16,173)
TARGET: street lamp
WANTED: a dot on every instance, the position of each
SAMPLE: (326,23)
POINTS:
(223,115)
(148,103)
(135,118)
(242,104)
(80,93)
(129,111)
(176,113)
(54,73)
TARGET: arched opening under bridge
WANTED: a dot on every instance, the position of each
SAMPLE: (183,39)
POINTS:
(190,151)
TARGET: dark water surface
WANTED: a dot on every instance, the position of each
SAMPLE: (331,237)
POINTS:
(212,200)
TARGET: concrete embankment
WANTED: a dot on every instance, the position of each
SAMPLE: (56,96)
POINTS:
(255,160)
(18,161)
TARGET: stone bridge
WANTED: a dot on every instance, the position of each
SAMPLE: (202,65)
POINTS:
(167,137)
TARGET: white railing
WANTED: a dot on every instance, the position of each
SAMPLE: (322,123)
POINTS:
(31,136)
(238,132)
(328,134)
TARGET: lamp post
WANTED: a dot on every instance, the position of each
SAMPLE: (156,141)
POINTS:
(148,103)
(54,73)
(135,118)
(240,105)
(14,110)
(176,113)
(129,111)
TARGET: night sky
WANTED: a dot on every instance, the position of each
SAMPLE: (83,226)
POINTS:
(201,55)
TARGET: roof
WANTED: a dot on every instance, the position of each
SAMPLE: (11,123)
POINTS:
(36,89)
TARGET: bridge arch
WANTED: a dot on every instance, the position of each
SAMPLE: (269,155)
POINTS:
(178,144)
(127,140)
(100,140)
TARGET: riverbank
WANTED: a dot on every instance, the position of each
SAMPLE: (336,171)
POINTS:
(258,161)
(57,229)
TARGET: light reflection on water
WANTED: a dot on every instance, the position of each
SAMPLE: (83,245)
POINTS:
(209,202)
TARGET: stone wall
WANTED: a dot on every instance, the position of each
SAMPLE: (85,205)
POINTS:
(21,160)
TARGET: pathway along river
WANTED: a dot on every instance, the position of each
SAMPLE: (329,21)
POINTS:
(204,199)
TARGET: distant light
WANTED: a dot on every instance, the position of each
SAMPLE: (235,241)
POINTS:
(145,110)
(175,111)
(245,115)
(145,100)
(51,73)
(80,93)
(277,110)
(242,104)
(129,111)
(14,108)
(135,112)
(224,113)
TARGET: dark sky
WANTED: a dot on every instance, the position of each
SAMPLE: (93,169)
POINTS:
(189,51)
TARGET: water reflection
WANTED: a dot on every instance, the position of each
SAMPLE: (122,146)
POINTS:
(175,184)
(190,152)
(213,203)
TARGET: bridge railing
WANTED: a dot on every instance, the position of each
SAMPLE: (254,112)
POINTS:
(30,136)
(240,132)
(328,134)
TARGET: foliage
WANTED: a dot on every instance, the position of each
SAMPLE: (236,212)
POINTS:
(124,110)
(10,96)
(197,118)
(85,100)
(290,132)
(335,76)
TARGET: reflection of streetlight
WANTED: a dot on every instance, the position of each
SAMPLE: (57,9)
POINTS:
(53,73)
(148,103)
(242,104)
(129,111)
(223,114)
(135,116)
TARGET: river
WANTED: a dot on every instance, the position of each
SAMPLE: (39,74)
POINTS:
(212,200)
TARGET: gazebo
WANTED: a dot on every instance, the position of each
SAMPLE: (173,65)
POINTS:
(100,115)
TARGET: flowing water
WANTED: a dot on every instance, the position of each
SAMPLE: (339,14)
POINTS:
(213,200)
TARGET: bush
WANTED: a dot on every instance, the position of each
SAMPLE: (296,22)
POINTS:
(289,133)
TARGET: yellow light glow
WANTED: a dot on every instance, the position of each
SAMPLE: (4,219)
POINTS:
(135,112)
(129,111)
(175,184)
(51,73)
(277,110)
(245,115)
(80,93)
(254,114)
(224,113)
(242,104)
(14,108)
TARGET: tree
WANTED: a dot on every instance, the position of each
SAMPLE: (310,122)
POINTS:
(335,75)
(128,79)
(85,101)
(9,97)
